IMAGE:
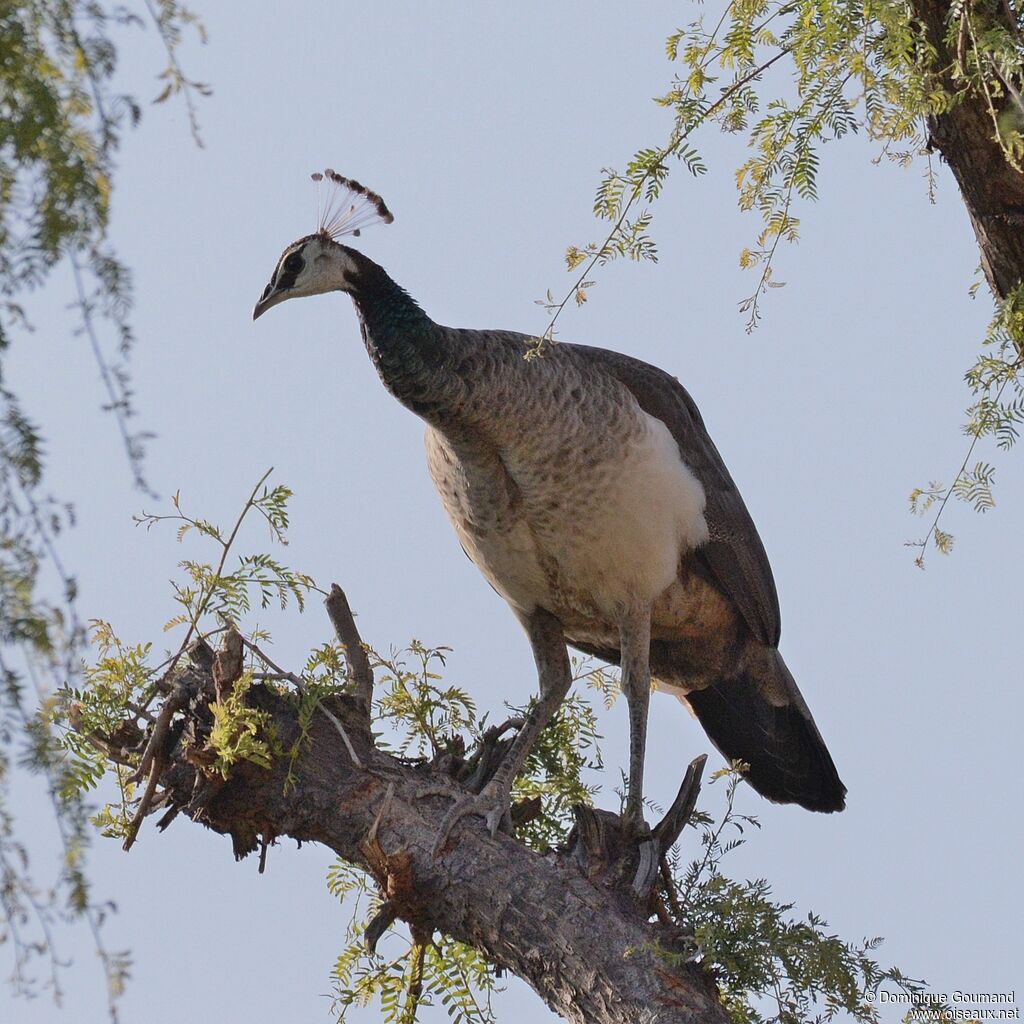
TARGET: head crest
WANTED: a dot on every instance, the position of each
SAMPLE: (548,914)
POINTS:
(349,206)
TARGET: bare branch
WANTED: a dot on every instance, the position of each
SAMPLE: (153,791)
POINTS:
(667,830)
(344,624)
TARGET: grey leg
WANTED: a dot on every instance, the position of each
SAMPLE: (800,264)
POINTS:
(635,647)
(555,676)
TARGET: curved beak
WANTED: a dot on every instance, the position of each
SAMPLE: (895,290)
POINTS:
(269,298)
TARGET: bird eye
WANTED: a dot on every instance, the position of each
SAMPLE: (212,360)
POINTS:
(294,263)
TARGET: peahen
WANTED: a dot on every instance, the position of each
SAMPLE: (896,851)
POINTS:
(586,489)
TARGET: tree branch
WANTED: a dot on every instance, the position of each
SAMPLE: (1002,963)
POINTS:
(572,930)
(992,189)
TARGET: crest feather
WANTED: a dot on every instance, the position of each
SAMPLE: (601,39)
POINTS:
(349,206)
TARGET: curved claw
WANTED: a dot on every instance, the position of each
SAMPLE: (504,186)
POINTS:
(492,804)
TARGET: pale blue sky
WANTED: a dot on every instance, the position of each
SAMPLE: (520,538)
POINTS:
(484,127)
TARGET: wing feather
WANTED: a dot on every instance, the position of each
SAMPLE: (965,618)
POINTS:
(734,553)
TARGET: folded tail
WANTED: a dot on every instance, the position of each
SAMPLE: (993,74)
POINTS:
(759,716)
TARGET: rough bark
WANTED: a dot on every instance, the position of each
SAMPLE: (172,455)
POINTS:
(965,135)
(566,922)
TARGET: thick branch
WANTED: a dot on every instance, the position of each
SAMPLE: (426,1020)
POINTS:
(583,943)
(992,190)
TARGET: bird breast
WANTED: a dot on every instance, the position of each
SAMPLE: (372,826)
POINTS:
(582,506)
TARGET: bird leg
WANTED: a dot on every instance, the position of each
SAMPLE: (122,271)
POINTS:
(555,676)
(635,648)
(635,645)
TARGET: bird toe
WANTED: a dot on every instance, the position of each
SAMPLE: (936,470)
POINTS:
(493,804)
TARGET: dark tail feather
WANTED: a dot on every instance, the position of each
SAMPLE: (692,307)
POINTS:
(760,717)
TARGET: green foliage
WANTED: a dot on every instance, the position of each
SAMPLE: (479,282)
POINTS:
(120,684)
(412,974)
(426,718)
(554,770)
(845,68)
(997,385)
(61,122)
(995,378)
(215,594)
(772,966)
(850,67)
(241,732)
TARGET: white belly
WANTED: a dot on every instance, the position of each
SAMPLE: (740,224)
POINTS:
(585,541)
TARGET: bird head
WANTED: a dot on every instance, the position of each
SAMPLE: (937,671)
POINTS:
(310,266)
(318,263)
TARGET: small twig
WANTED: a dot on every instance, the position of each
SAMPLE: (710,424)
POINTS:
(140,711)
(159,802)
(379,924)
(207,594)
(185,85)
(923,545)
(116,755)
(119,398)
(497,731)
(637,190)
(662,914)
(670,889)
(278,672)
(151,762)
(344,624)
(265,842)
(144,804)
(174,703)
(343,734)
(371,836)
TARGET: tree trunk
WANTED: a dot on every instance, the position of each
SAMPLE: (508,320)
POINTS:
(965,135)
(563,922)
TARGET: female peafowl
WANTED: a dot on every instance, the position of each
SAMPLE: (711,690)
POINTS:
(586,489)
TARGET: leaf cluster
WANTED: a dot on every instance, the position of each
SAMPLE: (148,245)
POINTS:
(412,974)
(772,966)
(62,119)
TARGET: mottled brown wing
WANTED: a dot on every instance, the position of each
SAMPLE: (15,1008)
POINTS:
(734,554)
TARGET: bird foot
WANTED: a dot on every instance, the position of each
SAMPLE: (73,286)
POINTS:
(492,803)
(634,826)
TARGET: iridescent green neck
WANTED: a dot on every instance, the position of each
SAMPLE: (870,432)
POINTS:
(406,346)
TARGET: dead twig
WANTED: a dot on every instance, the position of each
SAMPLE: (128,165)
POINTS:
(228,664)
(667,830)
(344,624)
(151,762)
(380,923)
